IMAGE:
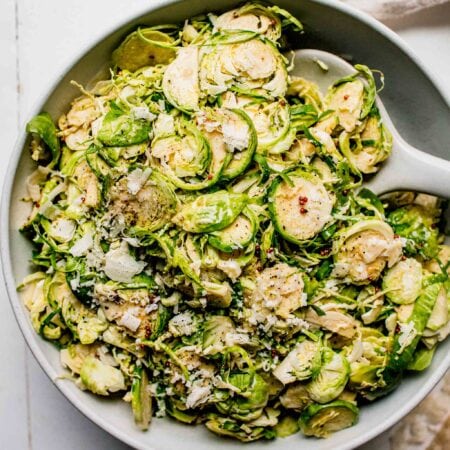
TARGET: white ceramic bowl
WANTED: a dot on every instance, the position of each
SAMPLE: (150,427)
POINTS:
(410,97)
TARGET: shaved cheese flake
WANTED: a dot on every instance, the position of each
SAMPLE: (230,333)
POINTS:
(130,321)
(120,265)
(82,245)
(137,179)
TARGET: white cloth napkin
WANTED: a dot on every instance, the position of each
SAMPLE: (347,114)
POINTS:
(390,9)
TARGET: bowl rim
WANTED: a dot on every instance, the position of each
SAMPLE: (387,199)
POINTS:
(5,256)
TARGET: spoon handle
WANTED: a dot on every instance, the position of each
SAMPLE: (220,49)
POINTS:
(410,169)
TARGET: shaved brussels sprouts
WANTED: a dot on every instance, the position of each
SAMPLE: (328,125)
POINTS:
(332,378)
(418,227)
(303,362)
(286,426)
(143,200)
(210,212)
(403,281)
(440,314)
(279,289)
(249,67)
(299,205)
(363,250)
(335,321)
(422,359)
(180,82)
(368,358)
(368,147)
(240,137)
(101,378)
(322,420)
(409,334)
(228,427)
(295,397)
(215,334)
(237,235)
(351,98)
(141,401)
(42,125)
(252,396)
(250,17)
(144,47)
(120,129)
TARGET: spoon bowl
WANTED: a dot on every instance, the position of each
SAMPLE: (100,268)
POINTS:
(407,168)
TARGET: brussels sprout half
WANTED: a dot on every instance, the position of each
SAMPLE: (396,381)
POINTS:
(351,98)
(254,67)
(366,149)
(42,125)
(303,362)
(144,201)
(332,378)
(180,81)
(215,331)
(120,129)
(286,426)
(101,378)
(322,420)
(144,47)
(252,397)
(250,17)
(403,281)
(362,251)
(238,234)
(295,397)
(299,205)
(191,159)
(272,124)
(241,157)
(225,426)
(210,212)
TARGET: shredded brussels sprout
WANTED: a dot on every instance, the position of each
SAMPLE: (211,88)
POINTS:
(202,246)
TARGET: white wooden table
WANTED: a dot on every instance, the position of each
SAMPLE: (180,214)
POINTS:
(37,38)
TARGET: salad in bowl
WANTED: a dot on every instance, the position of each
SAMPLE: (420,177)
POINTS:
(203,245)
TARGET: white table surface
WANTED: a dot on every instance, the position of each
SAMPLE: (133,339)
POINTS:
(36,40)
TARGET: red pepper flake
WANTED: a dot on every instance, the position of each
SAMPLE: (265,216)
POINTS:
(396,236)
(345,97)
(397,328)
(274,353)
(302,200)
(325,251)
(403,258)
(303,210)
(270,250)
(210,176)
(282,103)
(433,226)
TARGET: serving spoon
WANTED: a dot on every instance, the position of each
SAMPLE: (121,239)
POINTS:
(407,168)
